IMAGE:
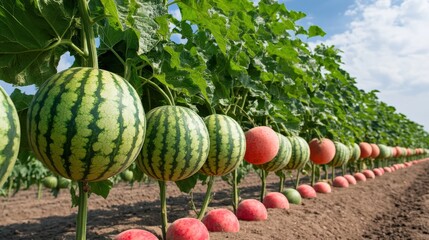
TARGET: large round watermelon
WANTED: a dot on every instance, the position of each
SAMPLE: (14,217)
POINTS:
(300,153)
(10,133)
(227,145)
(86,124)
(176,145)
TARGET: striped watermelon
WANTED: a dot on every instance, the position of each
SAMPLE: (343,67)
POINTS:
(354,150)
(227,145)
(86,124)
(10,133)
(342,155)
(385,151)
(282,158)
(300,153)
(176,145)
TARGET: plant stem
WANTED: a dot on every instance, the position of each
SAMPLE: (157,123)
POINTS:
(166,97)
(207,198)
(325,168)
(162,194)
(297,178)
(333,173)
(313,174)
(82,214)
(89,33)
(282,182)
(264,184)
(234,190)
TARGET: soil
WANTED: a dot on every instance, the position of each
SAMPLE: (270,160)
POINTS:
(392,206)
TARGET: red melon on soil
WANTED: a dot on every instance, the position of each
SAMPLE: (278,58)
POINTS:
(375,150)
(136,234)
(377,172)
(341,182)
(387,169)
(221,220)
(322,187)
(368,174)
(407,164)
(350,179)
(365,149)
(187,228)
(262,145)
(306,191)
(360,177)
(275,200)
(322,151)
(251,210)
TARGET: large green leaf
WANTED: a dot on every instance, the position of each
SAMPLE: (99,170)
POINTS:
(30,32)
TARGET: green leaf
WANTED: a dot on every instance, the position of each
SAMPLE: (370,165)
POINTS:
(101,188)
(314,31)
(186,185)
(20,99)
(30,35)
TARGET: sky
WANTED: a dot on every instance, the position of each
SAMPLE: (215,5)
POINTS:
(384,45)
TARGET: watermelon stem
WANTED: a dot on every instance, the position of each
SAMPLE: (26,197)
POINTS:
(264,184)
(297,178)
(282,181)
(162,194)
(156,87)
(234,190)
(333,173)
(207,198)
(88,34)
(313,174)
(82,214)
(325,169)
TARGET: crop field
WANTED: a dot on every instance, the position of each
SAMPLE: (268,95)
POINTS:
(220,121)
(392,206)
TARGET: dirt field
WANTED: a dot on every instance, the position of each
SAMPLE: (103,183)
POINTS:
(392,206)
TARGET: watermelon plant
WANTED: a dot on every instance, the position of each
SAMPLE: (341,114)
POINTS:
(175,148)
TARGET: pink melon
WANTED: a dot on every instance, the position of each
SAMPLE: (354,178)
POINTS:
(262,145)
(375,150)
(365,149)
(275,200)
(350,179)
(377,172)
(341,182)
(136,234)
(322,187)
(322,151)
(368,174)
(251,210)
(221,220)
(306,191)
(187,228)
(360,177)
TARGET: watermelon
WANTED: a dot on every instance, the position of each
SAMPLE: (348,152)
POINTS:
(293,196)
(10,135)
(86,124)
(342,154)
(176,146)
(227,145)
(50,182)
(322,151)
(300,153)
(385,151)
(354,152)
(282,158)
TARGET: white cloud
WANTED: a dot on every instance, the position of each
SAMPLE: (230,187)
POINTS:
(386,47)
(388,42)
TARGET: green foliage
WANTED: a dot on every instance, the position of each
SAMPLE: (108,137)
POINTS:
(247,61)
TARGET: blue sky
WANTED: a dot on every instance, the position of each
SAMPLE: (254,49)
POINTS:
(384,44)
